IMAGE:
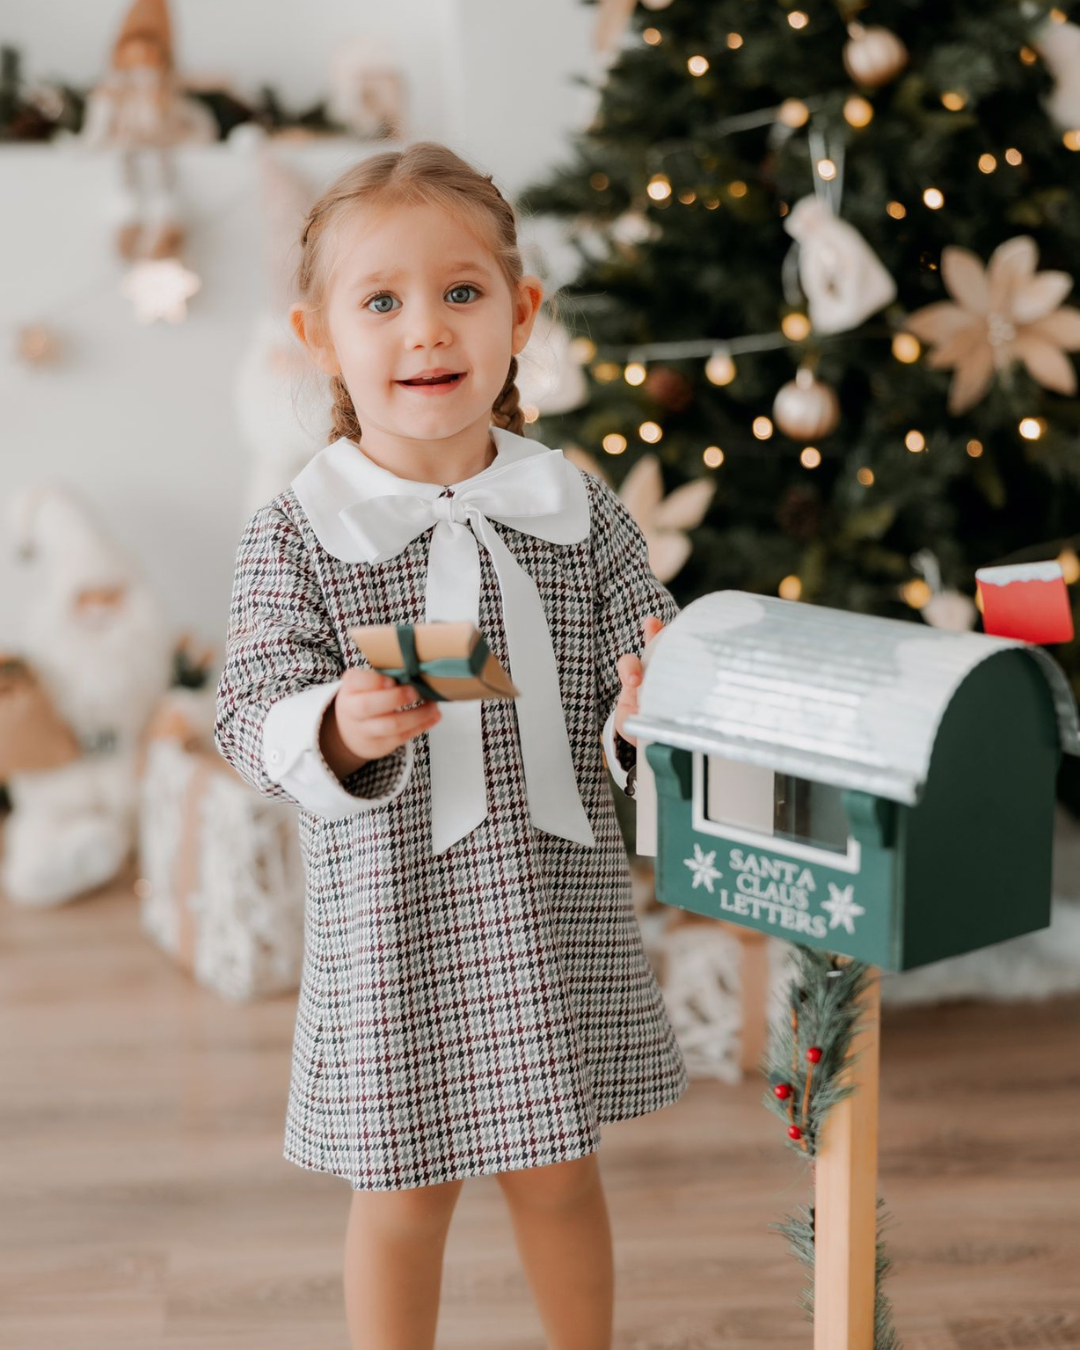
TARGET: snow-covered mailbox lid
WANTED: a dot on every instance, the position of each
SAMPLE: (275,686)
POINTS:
(868,786)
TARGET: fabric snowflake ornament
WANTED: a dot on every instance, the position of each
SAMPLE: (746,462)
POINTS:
(843,278)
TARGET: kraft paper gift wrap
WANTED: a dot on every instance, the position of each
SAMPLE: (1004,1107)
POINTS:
(443,660)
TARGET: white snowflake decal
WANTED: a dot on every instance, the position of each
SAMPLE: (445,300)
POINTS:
(841,905)
(701,864)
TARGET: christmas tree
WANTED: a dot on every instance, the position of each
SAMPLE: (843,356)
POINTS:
(824,248)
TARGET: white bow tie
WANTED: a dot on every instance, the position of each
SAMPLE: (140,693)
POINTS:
(541,494)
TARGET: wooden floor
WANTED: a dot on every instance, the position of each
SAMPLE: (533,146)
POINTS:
(144,1201)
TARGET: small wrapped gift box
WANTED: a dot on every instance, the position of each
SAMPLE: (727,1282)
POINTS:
(33,735)
(221,888)
(442,660)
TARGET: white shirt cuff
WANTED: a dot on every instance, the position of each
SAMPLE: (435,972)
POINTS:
(292,757)
(619,774)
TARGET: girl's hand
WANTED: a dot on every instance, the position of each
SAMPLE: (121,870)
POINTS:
(369,718)
(631,674)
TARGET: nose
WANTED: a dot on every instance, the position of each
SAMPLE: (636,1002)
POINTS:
(429,324)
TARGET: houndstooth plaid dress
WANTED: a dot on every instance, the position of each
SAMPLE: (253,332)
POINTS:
(489,1008)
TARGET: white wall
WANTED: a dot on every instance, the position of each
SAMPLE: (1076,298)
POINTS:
(140,419)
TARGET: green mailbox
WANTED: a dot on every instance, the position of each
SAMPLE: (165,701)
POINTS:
(868,786)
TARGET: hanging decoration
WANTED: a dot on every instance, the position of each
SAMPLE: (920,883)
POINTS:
(367,89)
(1059,46)
(806,409)
(843,278)
(999,314)
(873,56)
(946,608)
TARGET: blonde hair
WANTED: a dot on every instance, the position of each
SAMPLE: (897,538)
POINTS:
(424,173)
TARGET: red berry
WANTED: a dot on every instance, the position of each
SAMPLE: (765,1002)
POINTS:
(783,1091)
(794,1132)
(814,1055)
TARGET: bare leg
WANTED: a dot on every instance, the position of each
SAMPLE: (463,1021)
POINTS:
(394,1248)
(563,1234)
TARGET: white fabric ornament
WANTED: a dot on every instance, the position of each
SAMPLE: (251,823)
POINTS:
(874,56)
(1059,46)
(843,278)
(806,409)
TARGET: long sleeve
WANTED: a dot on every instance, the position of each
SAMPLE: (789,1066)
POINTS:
(626,593)
(283,666)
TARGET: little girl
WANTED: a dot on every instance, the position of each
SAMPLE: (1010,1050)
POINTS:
(475,997)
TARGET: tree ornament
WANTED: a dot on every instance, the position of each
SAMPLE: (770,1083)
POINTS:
(783,1091)
(794,1132)
(843,278)
(999,314)
(633,228)
(671,389)
(873,56)
(813,1055)
(806,409)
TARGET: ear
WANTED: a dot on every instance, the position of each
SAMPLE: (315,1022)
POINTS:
(310,332)
(530,295)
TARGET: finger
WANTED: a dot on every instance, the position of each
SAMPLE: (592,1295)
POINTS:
(362,678)
(629,669)
(397,727)
(652,626)
(373,703)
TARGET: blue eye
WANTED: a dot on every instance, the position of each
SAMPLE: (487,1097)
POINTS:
(465,286)
(383,296)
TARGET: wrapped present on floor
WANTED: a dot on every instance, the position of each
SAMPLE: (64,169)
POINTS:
(33,735)
(221,884)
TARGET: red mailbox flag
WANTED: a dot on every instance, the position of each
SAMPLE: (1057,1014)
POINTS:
(1028,601)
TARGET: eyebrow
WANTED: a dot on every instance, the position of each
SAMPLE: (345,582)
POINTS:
(466,264)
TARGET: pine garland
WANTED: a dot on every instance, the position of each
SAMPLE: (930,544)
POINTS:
(807,1052)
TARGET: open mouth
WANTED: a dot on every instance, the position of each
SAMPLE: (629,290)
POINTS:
(435,379)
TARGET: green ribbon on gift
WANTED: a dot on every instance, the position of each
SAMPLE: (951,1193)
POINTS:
(446,667)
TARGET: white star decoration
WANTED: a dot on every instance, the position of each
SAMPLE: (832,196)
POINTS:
(160,289)
(841,905)
(701,864)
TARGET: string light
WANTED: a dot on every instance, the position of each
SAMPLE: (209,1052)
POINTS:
(1014,156)
(798,19)
(1072,140)
(897,210)
(634,373)
(599,181)
(974,448)
(688,197)
(606,371)
(737,188)
(653,36)
(987,163)
(650,431)
(916,593)
(826,169)
(790,588)
(763,428)
(1070,566)
(866,477)
(906,348)
(582,349)
(659,188)
(720,368)
(734,41)
(934,198)
(697,65)
(858,112)
(613,443)
(953,100)
(810,457)
(795,326)
(794,113)
(1031,428)
(1028,56)
(1058,15)
(915,441)
(713,456)
(711,203)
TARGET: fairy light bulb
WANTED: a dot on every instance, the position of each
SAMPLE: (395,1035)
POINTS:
(1013,156)
(897,210)
(826,169)
(720,368)
(974,448)
(762,428)
(599,181)
(653,36)
(858,111)
(916,593)
(798,19)
(795,326)
(810,457)
(866,477)
(659,188)
(1071,140)
(1031,428)
(713,456)
(915,441)
(613,443)
(734,41)
(906,348)
(953,100)
(606,371)
(697,65)
(790,588)
(934,198)
(1028,55)
(582,349)
(650,432)
(987,163)
(794,113)
(737,188)
(1070,566)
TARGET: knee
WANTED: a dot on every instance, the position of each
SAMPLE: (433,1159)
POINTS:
(556,1186)
(418,1211)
